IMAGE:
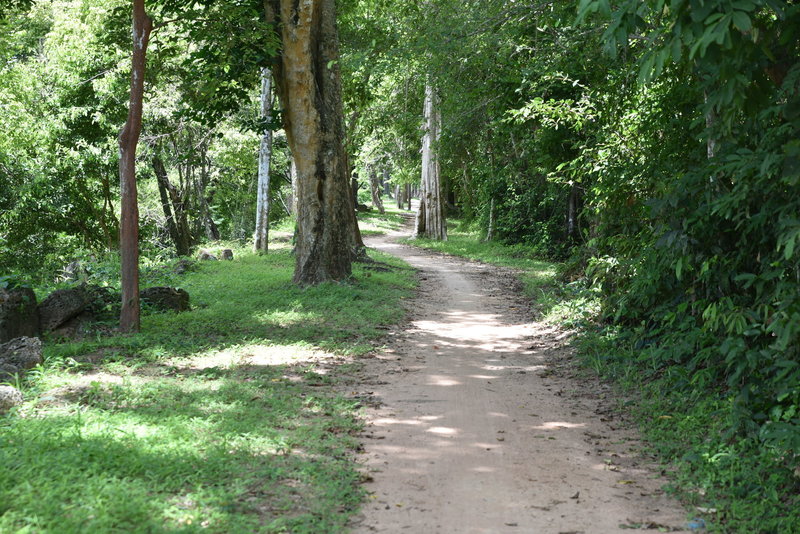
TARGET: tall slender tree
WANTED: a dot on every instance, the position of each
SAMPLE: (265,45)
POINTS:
(128,140)
(261,238)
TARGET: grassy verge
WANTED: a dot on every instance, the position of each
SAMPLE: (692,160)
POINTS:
(374,223)
(734,484)
(222,419)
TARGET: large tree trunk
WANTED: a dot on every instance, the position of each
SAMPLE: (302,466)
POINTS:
(128,140)
(431,197)
(261,238)
(308,82)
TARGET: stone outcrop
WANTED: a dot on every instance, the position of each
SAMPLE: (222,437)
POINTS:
(184,266)
(206,256)
(9,397)
(165,298)
(227,254)
(18,315)
(19,355)
(61,306)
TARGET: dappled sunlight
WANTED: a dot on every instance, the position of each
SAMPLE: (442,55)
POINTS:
(443,431)
(558,425)
(442,381)
(483,469)
(283,354)
(287,318)
(392,422)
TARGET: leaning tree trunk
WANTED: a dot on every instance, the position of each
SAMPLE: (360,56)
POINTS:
(308,83)
(128,139)
(261,237)
(162,179)
(431,197)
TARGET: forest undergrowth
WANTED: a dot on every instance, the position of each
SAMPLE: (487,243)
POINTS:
(731,478)
(226,418)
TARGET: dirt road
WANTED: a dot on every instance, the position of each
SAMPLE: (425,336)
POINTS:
(482,428)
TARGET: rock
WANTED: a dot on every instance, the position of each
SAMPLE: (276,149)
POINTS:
(19,355)
(184,265)
(227,254)
(77,327)
(61,306)
(18,315)
(206,256)
(9,397)
(165,298)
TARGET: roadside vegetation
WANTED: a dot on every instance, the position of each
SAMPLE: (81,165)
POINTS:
(231,417)
(731,480)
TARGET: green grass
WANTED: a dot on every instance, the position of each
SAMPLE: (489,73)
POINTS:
(222,419)
(373,223)
(734,483)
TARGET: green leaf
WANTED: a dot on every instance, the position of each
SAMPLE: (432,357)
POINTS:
(742,21)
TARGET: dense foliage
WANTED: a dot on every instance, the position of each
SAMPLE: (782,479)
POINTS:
(65,72)
(653,145)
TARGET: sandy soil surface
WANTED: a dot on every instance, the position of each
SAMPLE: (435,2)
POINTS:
(481,424)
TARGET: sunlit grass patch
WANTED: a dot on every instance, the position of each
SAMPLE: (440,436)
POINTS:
(373,223)
(220,419)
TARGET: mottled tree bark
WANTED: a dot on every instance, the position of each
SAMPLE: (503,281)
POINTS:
(261,237)
(307,80)
(433,223)
(128,140)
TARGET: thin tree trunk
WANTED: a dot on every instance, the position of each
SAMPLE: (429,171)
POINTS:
(163,190)
(711,121)
(261,238)
(490,231)
(434,221)
(572,212)
(307,79)
(375,190)
(408,195)
(183,240)
(128,140)
(385,180)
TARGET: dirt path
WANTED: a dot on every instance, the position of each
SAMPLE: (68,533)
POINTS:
(481,429)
